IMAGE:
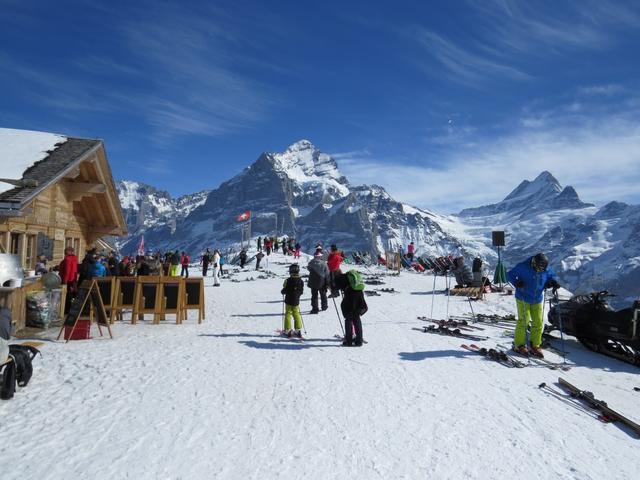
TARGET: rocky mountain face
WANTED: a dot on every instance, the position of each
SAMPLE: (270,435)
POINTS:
(145,207)
(301,193)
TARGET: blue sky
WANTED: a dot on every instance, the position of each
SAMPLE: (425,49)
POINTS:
(446,104)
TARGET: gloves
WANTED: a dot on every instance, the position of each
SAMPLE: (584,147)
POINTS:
(519,284)
(553,285)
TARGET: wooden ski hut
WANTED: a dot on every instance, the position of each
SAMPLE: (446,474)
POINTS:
(55,191)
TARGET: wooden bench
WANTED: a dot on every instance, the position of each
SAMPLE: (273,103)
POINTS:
(472,292)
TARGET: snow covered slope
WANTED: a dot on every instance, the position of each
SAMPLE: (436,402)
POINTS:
(229,400)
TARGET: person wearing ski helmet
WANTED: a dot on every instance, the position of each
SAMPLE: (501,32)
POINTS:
(531,278)
(292,290)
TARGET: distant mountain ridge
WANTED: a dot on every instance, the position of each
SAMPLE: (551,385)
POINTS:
(304,190)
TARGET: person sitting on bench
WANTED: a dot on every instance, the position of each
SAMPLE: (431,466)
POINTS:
(462,272)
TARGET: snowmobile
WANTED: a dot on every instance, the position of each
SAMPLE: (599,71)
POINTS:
(598,326)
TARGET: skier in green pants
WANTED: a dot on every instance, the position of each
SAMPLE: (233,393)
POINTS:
(531,278)
(292,291)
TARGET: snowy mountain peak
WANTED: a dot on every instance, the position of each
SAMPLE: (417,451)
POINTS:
(544,184)
(303,163)
(301,145)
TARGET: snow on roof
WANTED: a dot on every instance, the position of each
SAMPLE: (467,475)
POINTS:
(20,149)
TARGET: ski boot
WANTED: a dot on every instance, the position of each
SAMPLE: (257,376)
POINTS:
(297,334)
(536,352)
(522,350)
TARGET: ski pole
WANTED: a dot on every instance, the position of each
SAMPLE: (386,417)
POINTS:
(557,302)
(448,292)
(473,314)
(338,313)
(433,294)
(303,327)
(283,313)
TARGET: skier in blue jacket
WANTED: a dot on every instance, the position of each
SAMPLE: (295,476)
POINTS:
(531,278)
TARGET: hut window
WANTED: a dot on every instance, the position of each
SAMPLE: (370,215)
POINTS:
(14,246)
(30,254)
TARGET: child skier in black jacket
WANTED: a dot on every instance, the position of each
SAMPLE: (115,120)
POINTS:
(292,291)
(353,306)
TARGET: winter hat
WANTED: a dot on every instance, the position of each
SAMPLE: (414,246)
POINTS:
(540,262)
(334,248)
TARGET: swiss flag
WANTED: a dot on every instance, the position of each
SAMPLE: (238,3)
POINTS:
(244,216)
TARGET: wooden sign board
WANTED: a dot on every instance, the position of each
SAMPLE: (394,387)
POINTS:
(147,298)
(123,296)
(194,296)
(87,302)
(172,297)
(106,285)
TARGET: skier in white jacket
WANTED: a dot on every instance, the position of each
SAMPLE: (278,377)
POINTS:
(216,268)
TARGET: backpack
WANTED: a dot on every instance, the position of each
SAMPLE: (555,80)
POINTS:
(22,357)
(8,387)
(355,280)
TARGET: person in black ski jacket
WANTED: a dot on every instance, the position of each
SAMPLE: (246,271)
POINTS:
(292,291)
(318,281)
(243,257)
(206,259)
(353,306)
(87,266)
(259,258)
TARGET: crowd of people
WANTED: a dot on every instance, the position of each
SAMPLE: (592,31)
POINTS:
(325,280)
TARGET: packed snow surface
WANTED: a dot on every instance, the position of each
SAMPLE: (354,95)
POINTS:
(19,149)
(228,399)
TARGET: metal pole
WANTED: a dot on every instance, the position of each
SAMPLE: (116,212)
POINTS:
(433,294)
(446,273)
(338,313)
(283,313)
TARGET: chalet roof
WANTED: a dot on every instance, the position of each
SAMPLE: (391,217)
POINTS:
(47,171)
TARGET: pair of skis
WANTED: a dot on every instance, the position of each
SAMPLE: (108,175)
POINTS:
(543,362)
(461,324)
(606,414)
(509,358)
(451,332)
(500,356)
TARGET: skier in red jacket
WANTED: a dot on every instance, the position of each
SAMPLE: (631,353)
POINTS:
(68,271)
(333,262)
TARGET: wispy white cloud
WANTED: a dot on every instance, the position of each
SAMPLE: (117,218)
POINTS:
(461,65)
(186,72)
(602,90)
(598,155)
(508,36)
